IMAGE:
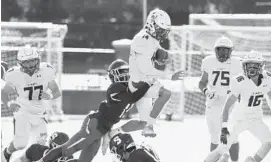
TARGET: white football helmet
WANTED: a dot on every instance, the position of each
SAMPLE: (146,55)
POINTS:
(253,64)
(223,48)
(29,59)
(158,24)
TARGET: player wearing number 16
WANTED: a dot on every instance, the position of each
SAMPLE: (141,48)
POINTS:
(29,84)
(252,85)
(215,84)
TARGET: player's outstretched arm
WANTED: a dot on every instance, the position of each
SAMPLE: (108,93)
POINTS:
(142,88)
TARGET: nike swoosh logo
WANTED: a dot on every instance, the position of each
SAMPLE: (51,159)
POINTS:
(112,95)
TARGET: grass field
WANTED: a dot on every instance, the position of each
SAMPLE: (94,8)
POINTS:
(186,141)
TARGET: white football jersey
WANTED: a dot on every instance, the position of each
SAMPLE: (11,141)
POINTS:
(29,87)
(143,48)
(219,73)
(251,96)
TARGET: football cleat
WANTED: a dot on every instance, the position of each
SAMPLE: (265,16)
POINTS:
(148,131)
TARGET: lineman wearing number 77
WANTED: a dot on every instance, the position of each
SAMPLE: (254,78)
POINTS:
(27,86)
(252,85)
(214,83)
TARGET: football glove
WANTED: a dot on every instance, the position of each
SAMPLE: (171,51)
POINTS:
(224,135)
(209,94)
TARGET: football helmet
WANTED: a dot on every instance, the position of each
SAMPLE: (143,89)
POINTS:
(121,145)
(118,71)
(158,24)
(253,64)
(57,139)
(29,59)
(223,48)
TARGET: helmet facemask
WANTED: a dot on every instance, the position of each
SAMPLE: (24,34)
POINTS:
(30,66)
(223,53)
(253,68)
(119,75)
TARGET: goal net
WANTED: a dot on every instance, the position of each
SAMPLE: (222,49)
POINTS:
(192,43)
(47,37)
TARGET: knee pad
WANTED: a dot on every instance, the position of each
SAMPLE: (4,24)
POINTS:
(215,138)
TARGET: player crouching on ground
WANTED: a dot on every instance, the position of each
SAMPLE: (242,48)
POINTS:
(27,86)
(124,149)
(36,151)
(250,87)
(118,101)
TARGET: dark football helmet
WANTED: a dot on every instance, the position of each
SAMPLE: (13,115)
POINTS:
(57,139)
(223,48)
(118,71)
(121,145)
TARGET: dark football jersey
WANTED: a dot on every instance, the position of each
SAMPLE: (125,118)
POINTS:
(143,154)
(36,152)
(119,100)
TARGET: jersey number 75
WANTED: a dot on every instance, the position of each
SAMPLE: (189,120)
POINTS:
(224,77)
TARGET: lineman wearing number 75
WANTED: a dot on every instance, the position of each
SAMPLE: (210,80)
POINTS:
(215,83)
(27,87)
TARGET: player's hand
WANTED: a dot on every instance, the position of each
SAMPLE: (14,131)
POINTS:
(178,75)
(210,94)
(46,96)
(224,135)
(14,106)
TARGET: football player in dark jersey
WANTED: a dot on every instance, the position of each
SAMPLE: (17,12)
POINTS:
(124,149)
(36,151)
(118,101)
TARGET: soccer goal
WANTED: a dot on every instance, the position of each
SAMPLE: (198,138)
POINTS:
(191,43)
(47,37)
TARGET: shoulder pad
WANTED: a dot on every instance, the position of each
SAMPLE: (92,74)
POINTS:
(46,65)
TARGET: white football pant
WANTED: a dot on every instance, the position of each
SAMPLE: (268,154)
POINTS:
(27,126)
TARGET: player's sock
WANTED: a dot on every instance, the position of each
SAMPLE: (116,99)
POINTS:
(213,146)
(52,155)
(234,152)
(262,152)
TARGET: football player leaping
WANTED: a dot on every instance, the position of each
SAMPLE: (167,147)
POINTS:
(214,83)
(29,84)
(252,86)
(118,101)
(124,149)
(146,63)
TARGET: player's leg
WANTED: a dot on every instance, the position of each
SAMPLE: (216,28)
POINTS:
(213,121)
(262,132)
(39,131)
(21,135)
(90,151)
(234,152)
